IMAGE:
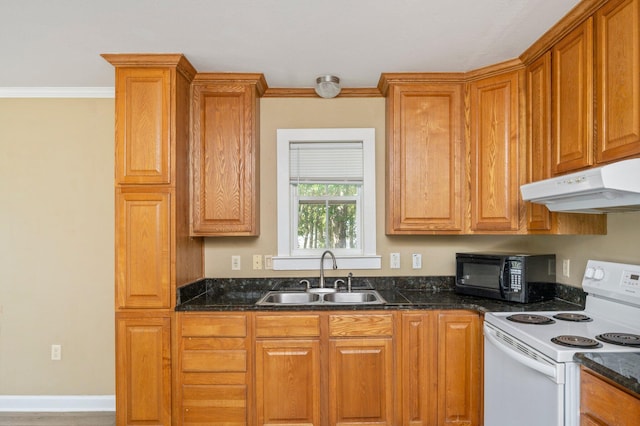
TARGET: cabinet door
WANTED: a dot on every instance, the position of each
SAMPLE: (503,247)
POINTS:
(495,153)
(459,355)
(572,100)
(361,381)
(143,128)
(143,370)
(418,360)
(288,381)
(618,80)
(604,404)
(143,248)
(425,158)
(225,160)
(539,135)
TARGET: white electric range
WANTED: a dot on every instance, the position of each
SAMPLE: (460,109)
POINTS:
(529,372)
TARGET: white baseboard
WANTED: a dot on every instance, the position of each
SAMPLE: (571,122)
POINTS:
(54,403)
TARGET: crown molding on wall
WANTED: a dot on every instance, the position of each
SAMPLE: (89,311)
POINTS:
(57,92)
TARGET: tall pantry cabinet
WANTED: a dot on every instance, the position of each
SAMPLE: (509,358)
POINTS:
(154,252)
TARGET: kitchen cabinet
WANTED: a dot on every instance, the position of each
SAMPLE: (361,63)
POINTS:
(213,369)
(425,157)
(539,219)
(143,369)
(496,155)
(418,362)
(143,248)
(154,252)
(572,100)
(617,80)
(143,129)
(225,154)
(602,403)
(459,368)
(361,369)
(440,371)
(288,369)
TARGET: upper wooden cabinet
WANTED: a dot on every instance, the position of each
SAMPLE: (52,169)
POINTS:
(150,103)
(225,154)
(572,100)
(425,158)
(618,80)
(495,152)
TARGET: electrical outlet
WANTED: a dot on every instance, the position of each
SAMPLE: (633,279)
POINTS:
(268,261)
(417,260)
(235,263)
(394,260)
(566,268)
(56,352)
(257,261)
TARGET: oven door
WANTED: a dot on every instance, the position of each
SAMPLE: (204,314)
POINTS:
(521,386)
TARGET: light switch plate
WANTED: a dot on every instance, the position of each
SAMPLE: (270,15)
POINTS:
(394,260)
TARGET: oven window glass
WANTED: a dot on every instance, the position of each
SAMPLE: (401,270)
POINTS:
(484,275)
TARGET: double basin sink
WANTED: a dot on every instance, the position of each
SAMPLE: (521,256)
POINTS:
(358,297)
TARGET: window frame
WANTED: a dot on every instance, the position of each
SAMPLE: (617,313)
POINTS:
(286,258)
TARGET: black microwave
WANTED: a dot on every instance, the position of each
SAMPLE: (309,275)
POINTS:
(522,278)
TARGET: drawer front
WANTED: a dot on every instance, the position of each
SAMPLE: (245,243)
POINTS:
(287,325)
(214,405)
(214,361)
(363,325)
(214,326)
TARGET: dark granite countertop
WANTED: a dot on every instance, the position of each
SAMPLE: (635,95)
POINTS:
(621,368)
(211,294)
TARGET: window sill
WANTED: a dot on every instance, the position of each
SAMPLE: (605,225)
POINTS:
(288,263)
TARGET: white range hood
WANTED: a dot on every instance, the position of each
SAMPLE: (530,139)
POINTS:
(607,189)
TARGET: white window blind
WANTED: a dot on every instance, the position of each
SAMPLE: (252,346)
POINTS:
(326,162)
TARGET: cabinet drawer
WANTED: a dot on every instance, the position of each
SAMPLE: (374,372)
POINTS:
(214,326)
(361,325)
(287,325)
(214,361)
(214,405)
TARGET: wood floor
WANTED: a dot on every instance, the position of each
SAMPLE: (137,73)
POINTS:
(58,419)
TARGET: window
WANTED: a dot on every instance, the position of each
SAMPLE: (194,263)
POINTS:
(326,198)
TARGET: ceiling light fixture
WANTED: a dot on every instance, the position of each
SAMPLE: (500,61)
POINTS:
(327,86)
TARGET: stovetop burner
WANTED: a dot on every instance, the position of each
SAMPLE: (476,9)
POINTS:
(572,316)
(622,339)
(576,341)
(530,319)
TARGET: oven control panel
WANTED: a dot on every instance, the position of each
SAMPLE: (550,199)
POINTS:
(619,281)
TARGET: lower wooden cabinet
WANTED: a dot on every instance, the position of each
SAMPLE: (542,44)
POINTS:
(459,365)
(602,403)
(288,369)
(143,369)
(329,368)
(213,379)
(361,369)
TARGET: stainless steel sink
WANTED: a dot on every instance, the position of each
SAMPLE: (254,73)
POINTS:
(289,298)
(354,297)
(366,297)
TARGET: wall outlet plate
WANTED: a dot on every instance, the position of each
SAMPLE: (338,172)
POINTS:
(394,260)
(257,261)
(416,259)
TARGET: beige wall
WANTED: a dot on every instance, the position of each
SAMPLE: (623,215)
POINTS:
(56,252)
(437,252)
(56,246)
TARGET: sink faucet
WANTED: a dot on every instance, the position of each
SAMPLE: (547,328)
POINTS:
(335,266)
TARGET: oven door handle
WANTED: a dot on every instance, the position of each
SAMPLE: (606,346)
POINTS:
(548,370)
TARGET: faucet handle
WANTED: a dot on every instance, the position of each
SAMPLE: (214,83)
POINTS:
(338,281)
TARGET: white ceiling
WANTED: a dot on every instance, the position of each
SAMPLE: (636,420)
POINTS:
(57,43)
